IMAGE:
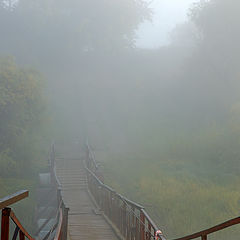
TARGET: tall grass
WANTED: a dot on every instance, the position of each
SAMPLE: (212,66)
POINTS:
(188,186)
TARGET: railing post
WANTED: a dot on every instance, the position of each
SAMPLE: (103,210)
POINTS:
(124,219)
(142,226)
(121,218)
(132,224)
(117,212)
(111,207)
(128,225)
(149,231)
(52,155)
(59,197)
(5,223)
(137,232)
(87,157)
(204,237)
(65,222)
(21,236)
(52,164)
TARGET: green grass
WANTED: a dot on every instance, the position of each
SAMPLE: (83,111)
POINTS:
(182,195)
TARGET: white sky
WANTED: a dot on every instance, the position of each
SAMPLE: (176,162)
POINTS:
(166,14)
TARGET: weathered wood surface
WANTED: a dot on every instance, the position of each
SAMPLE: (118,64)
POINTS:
(85,221)
(16,197)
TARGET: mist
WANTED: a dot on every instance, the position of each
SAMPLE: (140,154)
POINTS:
(166,15)
(162,114)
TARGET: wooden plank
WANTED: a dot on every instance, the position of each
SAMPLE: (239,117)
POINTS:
(11,199)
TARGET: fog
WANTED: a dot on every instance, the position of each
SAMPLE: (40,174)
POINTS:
(166,15)
(164,106)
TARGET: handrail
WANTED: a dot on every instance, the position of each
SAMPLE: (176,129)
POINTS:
(60,212)
(90,155)
(61,233)
(8,214)
(130,218)
(11,199)
(96,178)
(21,228)
(203,234)
(133,204)
(58,232)
(149,219)
(130,202)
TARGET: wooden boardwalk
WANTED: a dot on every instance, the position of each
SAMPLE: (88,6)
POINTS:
(85,220)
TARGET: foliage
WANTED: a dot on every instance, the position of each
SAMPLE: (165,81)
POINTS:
(37,29)
(22,109)
(21,106)
(8,165)
(218,23)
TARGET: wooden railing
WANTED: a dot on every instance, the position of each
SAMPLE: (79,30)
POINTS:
(204,234)
(8,214)
(128,217)
(59,213)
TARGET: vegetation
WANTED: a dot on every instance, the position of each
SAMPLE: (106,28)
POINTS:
(164,122)
(180,155)
(21,110)
(186,187)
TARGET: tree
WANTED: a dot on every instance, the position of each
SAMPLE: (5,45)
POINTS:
(214,68)
(218,21)
(20,105)
(57,30)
